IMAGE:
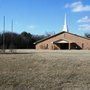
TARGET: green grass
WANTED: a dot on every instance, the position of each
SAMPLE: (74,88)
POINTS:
(44,70)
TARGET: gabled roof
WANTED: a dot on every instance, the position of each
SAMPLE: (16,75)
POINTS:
(59,34)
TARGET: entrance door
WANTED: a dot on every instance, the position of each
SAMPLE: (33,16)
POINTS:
(64,46)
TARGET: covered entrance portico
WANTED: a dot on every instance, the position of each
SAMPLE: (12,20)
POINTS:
(62,44)
(67,45)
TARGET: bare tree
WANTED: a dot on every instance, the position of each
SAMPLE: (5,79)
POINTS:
(87,35)
(48,34)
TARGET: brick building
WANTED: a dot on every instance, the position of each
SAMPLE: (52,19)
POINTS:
(64,40)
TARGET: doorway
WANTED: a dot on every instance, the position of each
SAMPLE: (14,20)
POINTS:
(64,46)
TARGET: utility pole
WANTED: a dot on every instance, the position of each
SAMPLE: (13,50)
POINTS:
(4,34)
(12,26)
(11,35)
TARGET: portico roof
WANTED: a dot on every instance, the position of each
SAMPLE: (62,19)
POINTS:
(63,41)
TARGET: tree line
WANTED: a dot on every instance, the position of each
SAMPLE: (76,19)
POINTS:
(19,41)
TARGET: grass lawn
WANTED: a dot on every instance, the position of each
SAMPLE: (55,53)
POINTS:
(48,70)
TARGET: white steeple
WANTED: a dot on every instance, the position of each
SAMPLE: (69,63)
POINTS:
(65,27)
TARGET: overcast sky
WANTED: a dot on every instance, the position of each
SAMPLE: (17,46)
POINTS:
(41,16)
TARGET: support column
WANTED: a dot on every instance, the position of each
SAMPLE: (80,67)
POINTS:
(82,45)
(69,46)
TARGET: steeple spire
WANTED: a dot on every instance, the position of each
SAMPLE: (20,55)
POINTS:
(65,27)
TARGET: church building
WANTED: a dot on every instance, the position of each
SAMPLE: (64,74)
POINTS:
(64,41)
